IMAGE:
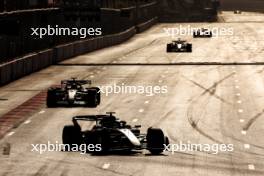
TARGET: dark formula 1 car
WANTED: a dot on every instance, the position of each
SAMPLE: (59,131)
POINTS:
(237,12)
(113,135)
(179,46)
(202,33)
(73,92)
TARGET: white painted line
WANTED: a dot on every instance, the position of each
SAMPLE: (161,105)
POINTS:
(246,146)
(141,110)
(160,81)
(134,120)
(241,120)
(147,102)
(41,112)
(27,121)
(11,133)
(106,166)
(238,94)
(237,87)
(243,132)
(239,101)
(251,167)
(240,110)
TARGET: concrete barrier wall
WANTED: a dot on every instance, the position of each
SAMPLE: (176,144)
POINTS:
(18,68)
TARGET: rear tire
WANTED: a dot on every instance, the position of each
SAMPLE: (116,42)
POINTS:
(51,99)
(155,141)
(169,48)
(98,95)
(71,136)
(92,98)
(189,48)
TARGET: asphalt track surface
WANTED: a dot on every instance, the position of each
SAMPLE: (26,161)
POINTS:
(213,101)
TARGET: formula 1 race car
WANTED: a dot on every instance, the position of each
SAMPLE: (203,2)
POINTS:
(113,135)
(202,33)
(237,12)
(179,46)
(72,92)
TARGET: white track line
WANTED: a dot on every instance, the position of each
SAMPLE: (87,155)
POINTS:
(240,110)
(141,110)
(106,166)
(27,121)
(243,132)
(251,167)
(41,112)
(11,133)
(246,146)
(134,120)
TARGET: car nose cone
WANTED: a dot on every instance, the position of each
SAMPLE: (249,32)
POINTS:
(179,45)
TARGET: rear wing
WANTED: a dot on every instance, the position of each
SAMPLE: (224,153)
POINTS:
(89,117)
(95,118)
(81,82)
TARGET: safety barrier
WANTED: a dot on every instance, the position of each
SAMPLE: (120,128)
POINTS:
(36,61)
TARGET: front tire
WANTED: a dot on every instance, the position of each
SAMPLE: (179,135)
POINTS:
(51,99)
(156,141)
(189,48)
(92,98)
(71,136)
(169,48)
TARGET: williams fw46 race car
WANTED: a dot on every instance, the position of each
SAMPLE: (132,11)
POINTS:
(202,33)
(179,46)
(237,12)
(73,92)
(113,135)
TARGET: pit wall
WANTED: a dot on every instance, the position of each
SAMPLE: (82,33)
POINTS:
(31,63)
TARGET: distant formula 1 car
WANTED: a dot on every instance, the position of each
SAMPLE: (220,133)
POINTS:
(73,92)
(202,33)
(179,46)
(113,135)
(237,12)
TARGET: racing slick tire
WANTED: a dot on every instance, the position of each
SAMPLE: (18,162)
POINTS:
(156,141)
(92,98)
(71,135)
(98,96)
(169,48)
(51,98)
(189,48)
